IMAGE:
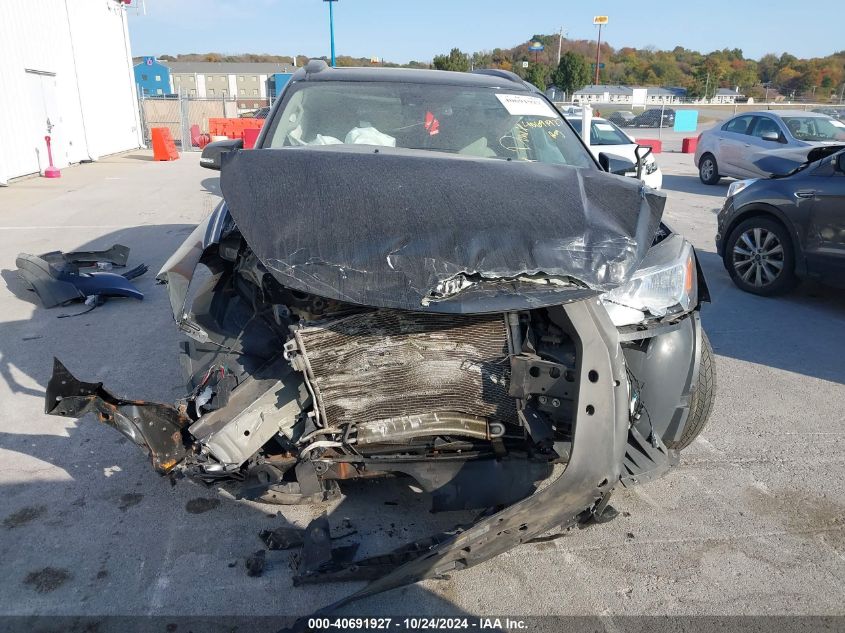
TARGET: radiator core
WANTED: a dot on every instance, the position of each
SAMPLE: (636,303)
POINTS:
(391,363)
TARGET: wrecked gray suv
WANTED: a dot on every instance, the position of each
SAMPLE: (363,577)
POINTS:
(426,274)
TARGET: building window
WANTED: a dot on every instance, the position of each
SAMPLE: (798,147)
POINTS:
(240,77)
(158,91)
(193,92)
(255,77)
(243,92)
(143,77)
(255,92)
(158,77)
(211,92)
(254,105)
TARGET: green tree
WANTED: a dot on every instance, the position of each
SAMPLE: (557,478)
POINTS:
(537,75)
(455,60)
(572,73)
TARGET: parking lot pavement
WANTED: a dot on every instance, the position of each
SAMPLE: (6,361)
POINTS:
(751,522)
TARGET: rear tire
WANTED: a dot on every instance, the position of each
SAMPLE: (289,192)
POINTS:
(708,170)
(701,398)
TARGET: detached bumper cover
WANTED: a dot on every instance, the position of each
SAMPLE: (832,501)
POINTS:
(153,426)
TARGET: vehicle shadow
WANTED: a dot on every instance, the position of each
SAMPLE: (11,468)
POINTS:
(87,527)
(692,184)
(801,332)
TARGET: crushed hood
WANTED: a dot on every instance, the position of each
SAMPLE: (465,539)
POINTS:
(425,231)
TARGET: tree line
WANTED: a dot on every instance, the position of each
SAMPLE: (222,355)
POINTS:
(701,74)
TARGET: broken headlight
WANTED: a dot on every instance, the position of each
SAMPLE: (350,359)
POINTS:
(665,284)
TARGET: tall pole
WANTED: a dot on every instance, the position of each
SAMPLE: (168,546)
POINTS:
(598,57)
(331,28)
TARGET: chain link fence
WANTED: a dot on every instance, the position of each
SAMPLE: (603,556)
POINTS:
(187,118)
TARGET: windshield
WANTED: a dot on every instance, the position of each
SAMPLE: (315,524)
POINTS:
(483,122)
(603,133)
(815,128)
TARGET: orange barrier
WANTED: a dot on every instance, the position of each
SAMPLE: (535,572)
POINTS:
(689,145)
(655,145)
(233,128)
(163,146)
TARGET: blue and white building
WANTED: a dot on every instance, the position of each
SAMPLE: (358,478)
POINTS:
(152,78)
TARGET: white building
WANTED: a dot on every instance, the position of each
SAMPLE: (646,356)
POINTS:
(631,95)
(66,71)
(727,96)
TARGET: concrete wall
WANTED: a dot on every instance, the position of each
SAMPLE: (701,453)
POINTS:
(68,61)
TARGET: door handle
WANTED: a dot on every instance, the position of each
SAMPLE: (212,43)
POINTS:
(805,194)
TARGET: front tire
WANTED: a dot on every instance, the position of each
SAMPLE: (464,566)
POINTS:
(760,258)
(702,397)
(708,170)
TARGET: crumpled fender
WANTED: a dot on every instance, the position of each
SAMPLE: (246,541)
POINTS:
(178,270)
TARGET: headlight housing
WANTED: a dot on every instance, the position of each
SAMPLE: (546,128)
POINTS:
(738,185)
(650,165)
(666,283)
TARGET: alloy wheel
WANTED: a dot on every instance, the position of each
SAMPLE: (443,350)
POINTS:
(707,169)
(758,257)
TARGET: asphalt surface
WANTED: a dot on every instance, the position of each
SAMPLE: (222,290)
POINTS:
(751,522)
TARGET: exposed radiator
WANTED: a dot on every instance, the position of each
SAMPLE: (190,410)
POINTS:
(390,363)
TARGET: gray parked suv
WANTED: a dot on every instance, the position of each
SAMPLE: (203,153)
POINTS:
(733,147)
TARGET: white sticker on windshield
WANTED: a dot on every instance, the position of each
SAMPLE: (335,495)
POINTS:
(525,105)
(837,123)
(604,127)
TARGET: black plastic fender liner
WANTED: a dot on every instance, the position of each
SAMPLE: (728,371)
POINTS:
(57,286)
(153,426)
(598,448)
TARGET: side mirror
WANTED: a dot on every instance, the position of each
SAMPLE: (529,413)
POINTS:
(213,152)
(770,136)
(840,162)
(616,164)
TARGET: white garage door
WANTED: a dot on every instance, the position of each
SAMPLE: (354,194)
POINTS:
(43,120)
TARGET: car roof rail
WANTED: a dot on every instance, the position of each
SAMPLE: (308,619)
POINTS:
(315,66)
(506,74)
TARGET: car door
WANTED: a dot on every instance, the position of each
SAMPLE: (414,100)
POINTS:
(732,143)
(825,247)
(755,143)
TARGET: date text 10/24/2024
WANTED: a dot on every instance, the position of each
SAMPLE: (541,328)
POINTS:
(415,624)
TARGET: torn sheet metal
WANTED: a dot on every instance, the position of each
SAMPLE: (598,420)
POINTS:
(153,426)
(424,231)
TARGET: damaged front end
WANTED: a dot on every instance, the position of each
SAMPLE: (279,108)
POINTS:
(332,340)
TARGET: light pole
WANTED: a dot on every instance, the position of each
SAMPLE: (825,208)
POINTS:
(600,20)
(331,26)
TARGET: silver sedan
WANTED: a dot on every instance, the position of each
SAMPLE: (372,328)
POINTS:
(736,146)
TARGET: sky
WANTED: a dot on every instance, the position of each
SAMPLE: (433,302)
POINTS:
(400,30)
